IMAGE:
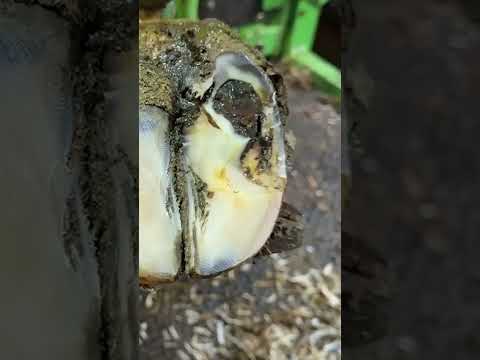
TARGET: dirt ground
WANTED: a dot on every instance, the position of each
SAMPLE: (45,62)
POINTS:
(279,307)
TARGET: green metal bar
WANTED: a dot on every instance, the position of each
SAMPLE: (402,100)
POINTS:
(269,32)
(303,30)
(300,41)
(187,9)
(268,5)
(323,71)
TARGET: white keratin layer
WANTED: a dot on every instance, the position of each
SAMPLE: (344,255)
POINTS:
(240,213)
(159,224)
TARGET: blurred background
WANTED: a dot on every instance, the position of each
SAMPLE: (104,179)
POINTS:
(284,306)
